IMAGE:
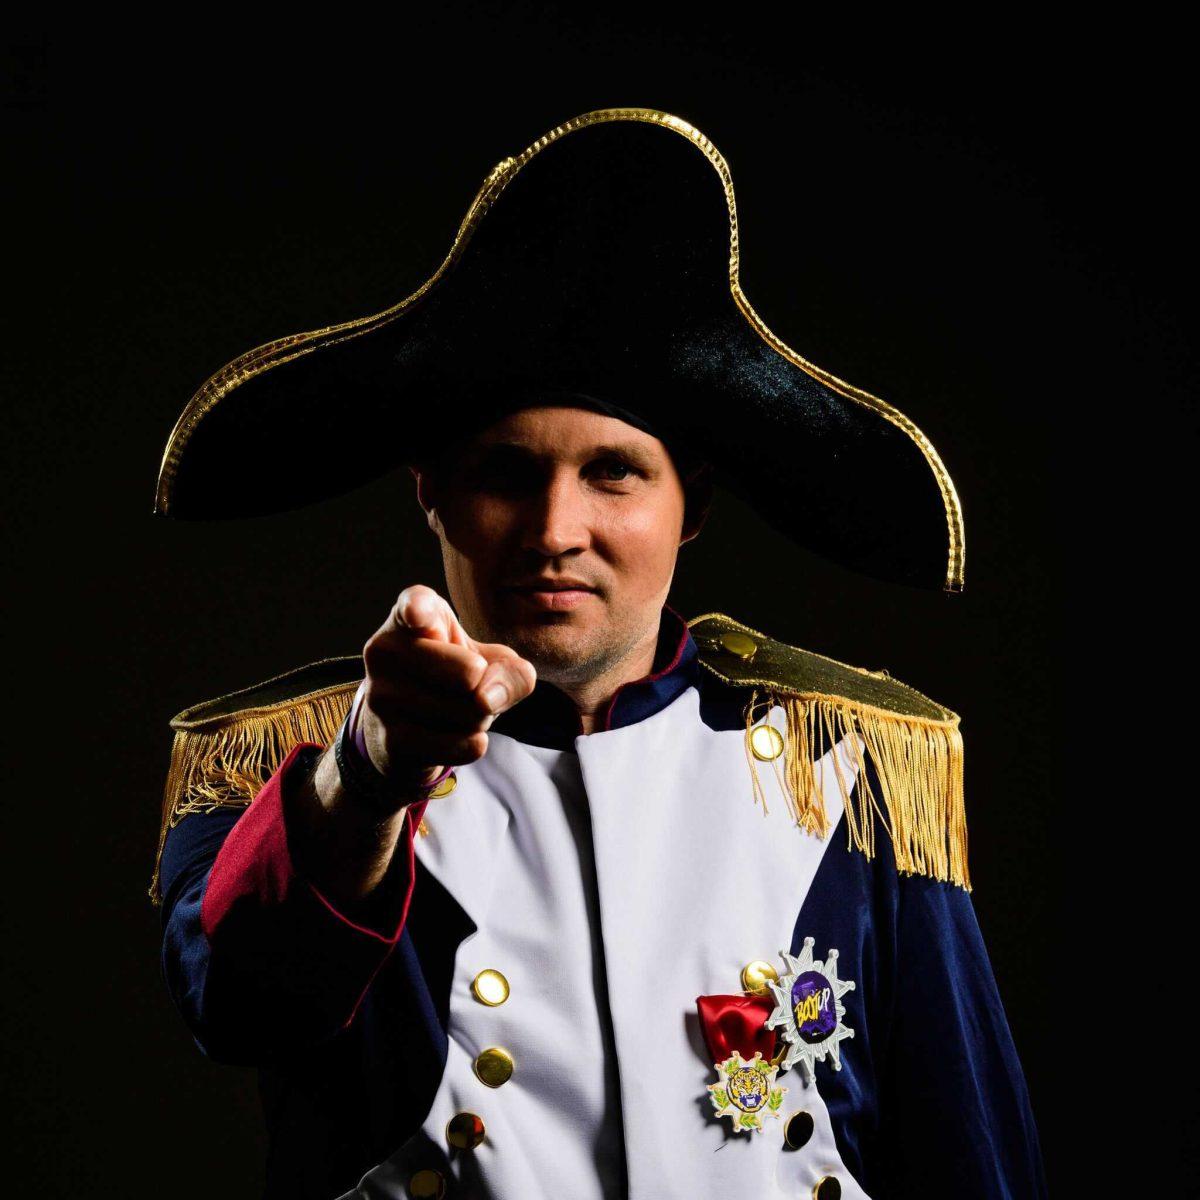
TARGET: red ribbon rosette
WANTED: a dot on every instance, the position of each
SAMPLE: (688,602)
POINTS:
(738,1023)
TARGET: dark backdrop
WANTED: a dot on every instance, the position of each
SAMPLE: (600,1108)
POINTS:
(929,224)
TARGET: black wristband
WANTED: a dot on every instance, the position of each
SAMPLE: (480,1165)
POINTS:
(365,784)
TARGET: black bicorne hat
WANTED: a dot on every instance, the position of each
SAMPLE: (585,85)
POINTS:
(601,261)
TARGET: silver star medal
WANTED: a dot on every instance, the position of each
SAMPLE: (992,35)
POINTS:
(810,1010)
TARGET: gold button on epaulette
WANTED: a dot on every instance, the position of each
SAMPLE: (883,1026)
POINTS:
(766,742)
(798,1130)
(756,975)
(426,1185)
(490,987)
(494,1066)
(445,787)
(827,1189)
(741,644)
(465,1130)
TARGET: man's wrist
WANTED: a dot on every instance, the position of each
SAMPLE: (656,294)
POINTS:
(366,786)
(346,853)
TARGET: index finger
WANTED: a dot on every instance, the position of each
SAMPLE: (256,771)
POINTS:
(426,613)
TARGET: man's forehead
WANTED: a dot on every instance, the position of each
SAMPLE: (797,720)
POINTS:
(559,424)
(561,427)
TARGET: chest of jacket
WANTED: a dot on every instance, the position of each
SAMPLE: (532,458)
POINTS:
(608,887)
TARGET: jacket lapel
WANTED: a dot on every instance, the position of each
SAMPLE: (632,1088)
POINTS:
(466,831)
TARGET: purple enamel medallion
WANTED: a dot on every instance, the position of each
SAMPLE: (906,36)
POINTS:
(812,1004)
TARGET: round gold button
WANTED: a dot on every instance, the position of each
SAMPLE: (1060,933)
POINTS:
(445,787)
(494,1066)
(827,1188)
(756,975)
(741,644)
(426,1185)
(798,1130)
(490,987)
(766,742)
(465,1130)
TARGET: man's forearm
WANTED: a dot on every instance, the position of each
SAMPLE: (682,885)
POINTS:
(344,849)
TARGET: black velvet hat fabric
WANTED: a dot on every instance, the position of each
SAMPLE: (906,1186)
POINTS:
(602,267)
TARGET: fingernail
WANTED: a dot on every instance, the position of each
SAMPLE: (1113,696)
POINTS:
(495,695)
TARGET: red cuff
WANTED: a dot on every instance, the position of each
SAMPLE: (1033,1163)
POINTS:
(255,864)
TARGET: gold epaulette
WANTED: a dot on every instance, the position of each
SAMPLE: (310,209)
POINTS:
(913,742)
(226,749)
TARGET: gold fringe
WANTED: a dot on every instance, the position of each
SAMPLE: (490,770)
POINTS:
(226,764)
(920,769)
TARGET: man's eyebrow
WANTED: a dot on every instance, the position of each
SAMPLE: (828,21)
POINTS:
(630,450)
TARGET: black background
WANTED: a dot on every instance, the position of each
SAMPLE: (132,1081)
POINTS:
(956,220)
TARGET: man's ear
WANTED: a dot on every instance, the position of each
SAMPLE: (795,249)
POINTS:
(426,492)
(698,496)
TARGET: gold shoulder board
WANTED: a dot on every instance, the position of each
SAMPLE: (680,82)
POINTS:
(226,749)
(913,742)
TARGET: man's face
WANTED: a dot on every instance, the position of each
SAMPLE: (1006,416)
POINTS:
(551,496)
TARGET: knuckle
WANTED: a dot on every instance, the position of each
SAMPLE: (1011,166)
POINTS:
(375,655)
(471,672)
(475,746)
(519,685)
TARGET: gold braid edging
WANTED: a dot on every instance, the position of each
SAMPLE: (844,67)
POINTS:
(226,764)
(282,350)
(920,769)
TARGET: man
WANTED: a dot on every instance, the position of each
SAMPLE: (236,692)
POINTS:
(544,886)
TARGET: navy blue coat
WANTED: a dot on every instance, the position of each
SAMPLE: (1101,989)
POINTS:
(345,1018)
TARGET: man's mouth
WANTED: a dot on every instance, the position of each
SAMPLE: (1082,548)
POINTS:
(555,595)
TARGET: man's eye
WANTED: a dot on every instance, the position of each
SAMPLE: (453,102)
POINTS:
(615,464)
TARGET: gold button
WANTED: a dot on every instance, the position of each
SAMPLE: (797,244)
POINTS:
(426,1185)
(756,975)
(445,787)
(740,644)
(798,1130)
(464,1130)
(827,1188)
(494,1066)
(490,987)
(766,742)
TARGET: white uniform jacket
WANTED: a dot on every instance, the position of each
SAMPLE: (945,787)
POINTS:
(518,1017)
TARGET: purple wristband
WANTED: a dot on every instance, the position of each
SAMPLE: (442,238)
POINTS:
(356,733)
(359,742)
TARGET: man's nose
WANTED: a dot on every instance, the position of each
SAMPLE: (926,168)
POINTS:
(556,517)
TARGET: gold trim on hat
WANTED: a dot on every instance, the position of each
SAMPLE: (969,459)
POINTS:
(282,350)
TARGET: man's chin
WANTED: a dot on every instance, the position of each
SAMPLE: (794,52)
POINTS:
(554,643)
